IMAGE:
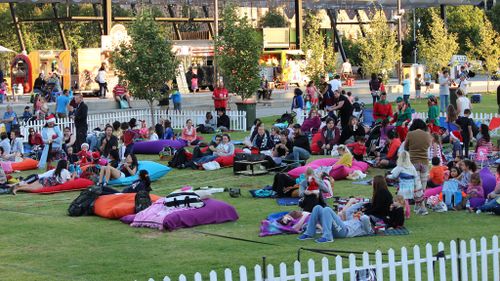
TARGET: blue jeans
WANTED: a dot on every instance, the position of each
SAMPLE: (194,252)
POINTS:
(333,226)
(205,159)
(406,98)
(444,101)
(489,206)
(298,154)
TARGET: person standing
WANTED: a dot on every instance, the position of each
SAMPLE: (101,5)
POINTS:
(346,69)
(101,80)
(463,102)
(298,105)
(336,83)
(80,119)
(62,103)
(417,144)
(374,85)
(418,85)
(463,83)
(220,97)
(344,106)
(406,88)
(444,90)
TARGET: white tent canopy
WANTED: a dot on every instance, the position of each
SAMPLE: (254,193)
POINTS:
(5,50)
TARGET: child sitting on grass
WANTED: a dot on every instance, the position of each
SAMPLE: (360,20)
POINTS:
(358,148)
(437,173)
(492,201)
(475,189)
(345,156)
(468,167)
(84,154)
(399,209)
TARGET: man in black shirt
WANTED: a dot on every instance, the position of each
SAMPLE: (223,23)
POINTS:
(301,150)
(344,106)
(80,119)
(223,122)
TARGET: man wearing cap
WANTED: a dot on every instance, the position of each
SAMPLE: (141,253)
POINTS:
(382,109)
(301,150)
(402,118)
(80,119)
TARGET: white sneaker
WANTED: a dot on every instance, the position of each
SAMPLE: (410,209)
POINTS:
(478,211)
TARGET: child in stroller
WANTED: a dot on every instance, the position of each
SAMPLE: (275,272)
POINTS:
(358,109)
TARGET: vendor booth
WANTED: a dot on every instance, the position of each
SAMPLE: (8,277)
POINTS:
(52,61)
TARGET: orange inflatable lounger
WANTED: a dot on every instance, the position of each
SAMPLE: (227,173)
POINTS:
(115,206)
(25,165)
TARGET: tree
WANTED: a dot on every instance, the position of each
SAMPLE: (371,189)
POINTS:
(465,22)
(238,50)
(436,51)
(379,50)
(273,19)
(319,58)
(494,16)
(488,49)
(147,61)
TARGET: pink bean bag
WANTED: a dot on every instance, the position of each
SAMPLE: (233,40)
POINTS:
(433,191)
(296,172)
(324,162)
(360,165)
(73,185)
(339,172)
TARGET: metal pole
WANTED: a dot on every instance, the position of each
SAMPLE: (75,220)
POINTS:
(414,38)
(400,33)
(216,34)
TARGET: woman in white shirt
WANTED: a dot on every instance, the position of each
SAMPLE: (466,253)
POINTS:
(53,177)
(101,80)
(463,102)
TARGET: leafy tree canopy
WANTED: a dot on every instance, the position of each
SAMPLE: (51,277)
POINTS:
(273,19)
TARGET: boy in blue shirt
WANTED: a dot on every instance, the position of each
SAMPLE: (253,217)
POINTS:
(176,99)
(406,88)
(62,102)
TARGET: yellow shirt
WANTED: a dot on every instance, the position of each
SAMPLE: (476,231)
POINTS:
(345,160)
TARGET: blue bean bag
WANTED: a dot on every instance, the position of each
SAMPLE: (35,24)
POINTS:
(154,147)
(155,170)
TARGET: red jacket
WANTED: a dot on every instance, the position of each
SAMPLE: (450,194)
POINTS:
(357,148)
(382,111)
(36,139)
(220,97)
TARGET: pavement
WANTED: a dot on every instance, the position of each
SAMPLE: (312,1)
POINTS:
(281,99)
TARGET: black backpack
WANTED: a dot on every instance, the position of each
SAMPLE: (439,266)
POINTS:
(142,201)
(179,160)
(83,205)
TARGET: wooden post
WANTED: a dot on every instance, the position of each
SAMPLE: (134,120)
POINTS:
(60,27)
(107,16)
(17,26)
(333,19)
(171,12)
(298,24)
(99,23)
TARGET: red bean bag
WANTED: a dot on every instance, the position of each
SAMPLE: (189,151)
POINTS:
(339,172)
(115,206)
(296,172)
(227,161)
(324,162)
(315,149)
(73,185)
(25,165)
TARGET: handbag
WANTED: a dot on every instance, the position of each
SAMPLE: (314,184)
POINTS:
(123,104)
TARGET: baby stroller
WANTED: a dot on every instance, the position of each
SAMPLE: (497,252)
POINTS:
(285,120)
(358,110)
(373,139)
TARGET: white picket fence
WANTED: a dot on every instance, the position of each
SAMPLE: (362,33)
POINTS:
(484,118)
(178,119)
(464,261)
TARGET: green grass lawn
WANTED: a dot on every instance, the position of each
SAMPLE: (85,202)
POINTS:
(38,241)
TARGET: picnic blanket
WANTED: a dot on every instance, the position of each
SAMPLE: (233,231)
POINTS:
(394,231)
(266,192)
(287,201)
(271,226)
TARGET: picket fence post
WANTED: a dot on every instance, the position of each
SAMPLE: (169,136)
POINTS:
(473,260)
(496,265)
(310,268)
(324,269)
(378,263)
(352,267)
(283,273)
(404,264)
(339,270)
(258,273)
(484,260)
(463,261)
(270,272)
(429,260)
(197,276)
(297,271)
(454,260)
(243,274)
(418,268)
(442,263)
(213,275)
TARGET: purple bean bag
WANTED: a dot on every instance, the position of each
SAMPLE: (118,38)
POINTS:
(213,212)
(154,147)
(488,181)
(476,202)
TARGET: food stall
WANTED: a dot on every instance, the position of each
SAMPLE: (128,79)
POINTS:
(50,61)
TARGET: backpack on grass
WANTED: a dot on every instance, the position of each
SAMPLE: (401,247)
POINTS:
(83,205)
(179,160)
(142,201)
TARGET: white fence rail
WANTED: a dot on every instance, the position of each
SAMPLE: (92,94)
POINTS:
(465,261)
(178,119)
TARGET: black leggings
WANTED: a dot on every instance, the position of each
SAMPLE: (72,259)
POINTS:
(281,181)
(31,179)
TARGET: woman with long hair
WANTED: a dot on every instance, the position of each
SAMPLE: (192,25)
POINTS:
(53,177)
(485,139)
(126,169)
(381,201)
(142,184)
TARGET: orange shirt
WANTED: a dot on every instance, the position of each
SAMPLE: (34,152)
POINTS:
(437,174)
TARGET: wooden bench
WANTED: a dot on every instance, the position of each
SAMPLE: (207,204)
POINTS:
(250,168)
